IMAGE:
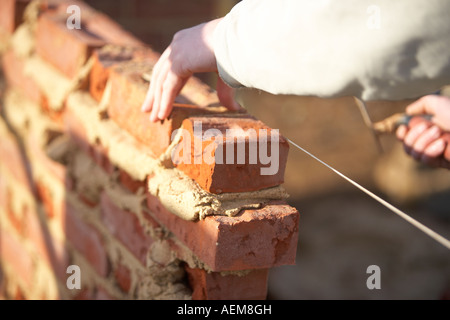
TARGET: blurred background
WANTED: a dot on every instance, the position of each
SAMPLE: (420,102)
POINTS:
(342,231)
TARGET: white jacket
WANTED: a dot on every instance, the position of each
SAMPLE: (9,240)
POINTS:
(371,49)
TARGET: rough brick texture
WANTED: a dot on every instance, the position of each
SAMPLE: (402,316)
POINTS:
(17,256)
(68,50)
(213,285)
(125,226)
(223,163)
(11,13)
(81,158)
(13,69)
(109,56)
(87,240)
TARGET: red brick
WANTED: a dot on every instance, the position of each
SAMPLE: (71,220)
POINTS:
(54,208)
(55,115)
(87,201)
(123,277)
(125,226)
(7,16)
(13,253)
(99,154)
(67,49)
(102,294)
(52,250)
(95,22)
(215,286)
(87,240)
(128,182)
(76,129)
(223,177)
(109,56)
(260,238)
(13,69)
(51,167)
(11,14)
(19,294)
(46,199)
(15,218)
(127,95)
(84,294)
(98,76)
(4,196)
(16,162)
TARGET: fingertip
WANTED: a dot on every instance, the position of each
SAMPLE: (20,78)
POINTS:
(166,105)
(162,114)
(401,132)
(148,101)
(435,149)
(153,118)
(154,113)
(165,112)
(145,108)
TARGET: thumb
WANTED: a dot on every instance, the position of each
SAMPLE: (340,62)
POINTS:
(437,106)
(226,95)
(425,105)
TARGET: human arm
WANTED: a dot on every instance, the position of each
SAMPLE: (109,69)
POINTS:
(320,48)
(190,51)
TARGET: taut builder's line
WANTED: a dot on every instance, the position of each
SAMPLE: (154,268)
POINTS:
(417,224)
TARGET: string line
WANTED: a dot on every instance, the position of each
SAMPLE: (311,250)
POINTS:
(417,224)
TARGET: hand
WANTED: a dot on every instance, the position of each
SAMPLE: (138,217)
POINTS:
(190,51)
(427,141)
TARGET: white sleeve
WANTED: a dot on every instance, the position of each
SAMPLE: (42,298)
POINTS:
(384,49)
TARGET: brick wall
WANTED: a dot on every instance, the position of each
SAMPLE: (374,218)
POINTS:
(86,180)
